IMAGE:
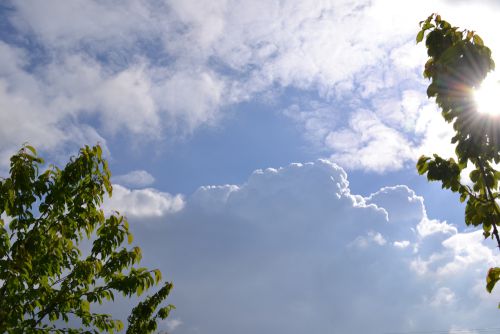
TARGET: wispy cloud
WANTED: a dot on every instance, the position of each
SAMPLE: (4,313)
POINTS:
(136,178)
(153,70)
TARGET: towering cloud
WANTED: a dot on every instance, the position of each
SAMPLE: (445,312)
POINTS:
(293,250)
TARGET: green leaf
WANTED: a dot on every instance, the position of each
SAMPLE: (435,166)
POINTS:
(492,278)
(432,90)
(85,305)
(451,54)
(475,175)
(157,274)
(458,62)
(422,164)
(427,25)
(478,40)
(420,36)
(31,148)
(44,276)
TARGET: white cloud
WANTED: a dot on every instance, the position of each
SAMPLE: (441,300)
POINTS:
(462,331)
(427,227)
(369,143)
(383,133)
(317,120)
(56,23)
(122,101)
(467,250)
(153,69)
(146,68)
(189,98)
(95,81)
(401,244)
(136,178)
(371,237)
(49,108)
(28,115)
(142,203)
(170,324)
(444,296)
(391,198)
(280,247)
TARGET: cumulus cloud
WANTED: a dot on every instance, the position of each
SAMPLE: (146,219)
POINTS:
(142,203)
(293,250)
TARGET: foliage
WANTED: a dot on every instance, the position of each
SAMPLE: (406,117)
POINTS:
(45,275)
(458,63)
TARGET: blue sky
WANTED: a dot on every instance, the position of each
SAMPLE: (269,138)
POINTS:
(263,152)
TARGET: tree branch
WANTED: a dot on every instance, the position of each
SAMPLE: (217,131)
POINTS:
(491,198)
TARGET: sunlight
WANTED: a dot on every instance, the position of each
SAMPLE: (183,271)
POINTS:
(487,96)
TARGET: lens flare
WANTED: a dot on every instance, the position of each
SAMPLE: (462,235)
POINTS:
(487,96)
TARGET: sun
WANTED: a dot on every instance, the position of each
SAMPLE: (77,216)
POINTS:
(487,96)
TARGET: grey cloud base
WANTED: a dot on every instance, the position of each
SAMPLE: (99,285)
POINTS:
(293,251)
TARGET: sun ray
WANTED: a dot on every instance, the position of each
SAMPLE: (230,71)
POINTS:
(487,96)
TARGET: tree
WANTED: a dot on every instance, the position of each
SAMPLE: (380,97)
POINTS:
(45,274)
(458,63)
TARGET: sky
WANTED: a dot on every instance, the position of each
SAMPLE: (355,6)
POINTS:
(264,153)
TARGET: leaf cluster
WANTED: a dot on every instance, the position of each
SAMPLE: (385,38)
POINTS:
(458,63)
(46,218)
